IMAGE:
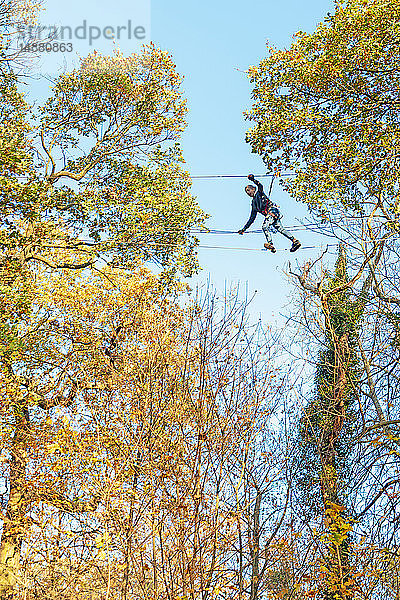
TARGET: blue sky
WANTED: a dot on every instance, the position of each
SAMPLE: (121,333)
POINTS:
(210,41)
(212,44)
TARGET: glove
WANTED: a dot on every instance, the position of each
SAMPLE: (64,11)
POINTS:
(251,177)
(241,232)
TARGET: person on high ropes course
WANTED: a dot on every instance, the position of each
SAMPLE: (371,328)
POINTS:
(263,205)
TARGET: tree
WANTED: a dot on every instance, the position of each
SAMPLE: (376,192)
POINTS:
(326,109)
(13,15)
(127,200)
(72,342)
(141,431)
(346,462)
(327,424)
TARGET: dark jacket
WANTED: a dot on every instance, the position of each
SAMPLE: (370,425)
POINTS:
(259,204)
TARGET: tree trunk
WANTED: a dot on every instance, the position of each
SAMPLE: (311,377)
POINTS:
(255,549)
(337,561)
(15,522)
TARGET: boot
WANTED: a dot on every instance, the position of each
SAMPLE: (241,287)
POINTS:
(295,246)
(270,247)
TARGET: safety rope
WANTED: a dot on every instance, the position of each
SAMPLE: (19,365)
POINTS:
(264,249)
(239,176)
(229,231)
(161,245)
(270,187)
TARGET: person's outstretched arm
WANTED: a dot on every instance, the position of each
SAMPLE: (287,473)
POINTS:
(250,221)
